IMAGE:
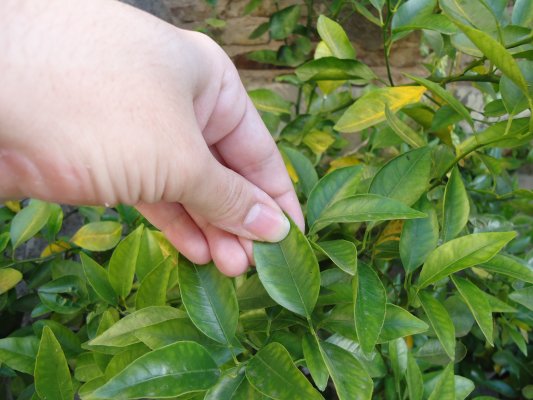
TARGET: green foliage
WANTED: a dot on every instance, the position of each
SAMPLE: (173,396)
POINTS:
(413,279)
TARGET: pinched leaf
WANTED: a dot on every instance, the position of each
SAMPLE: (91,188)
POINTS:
(9,277)
(122,333)
(510,266)
(19,353)
(351,380)
(419,236)
(123,262)
(272,372)
(97,277)
(369,109)
(65,295)
(314,361)
(153,288)
(335,38)
(289,271)
(52,375)
(400,323)
(456,208)
(461,253)
(440,321)
(370,299)
(210,300)
(98,236)
(365,208)
(478,304)
(27,222)
(405,177)
(169,371)
(342,252)
(335,186)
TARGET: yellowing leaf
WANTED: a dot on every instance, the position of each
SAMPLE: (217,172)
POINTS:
(13,206)
(369,109)
(290,168)
(9,277)
(57,247)
(98,236)
(346,161)
(318,141)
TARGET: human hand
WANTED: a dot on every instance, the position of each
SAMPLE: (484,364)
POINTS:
(104,104)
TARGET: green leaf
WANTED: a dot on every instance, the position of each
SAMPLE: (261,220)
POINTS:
(86,368)
(461,253)
(269,101)
(52,376)
(456,207)
(351,380)
(342,252)
(98,236)
(433,22)
(67,339)
(150,254)
(445,388)
(252,295)
(444,95)
(125,358)
(283,22)
(272,372)
(314,361)
(123,262)
(412,11)
(370,300)
(419,236)
(415,382)
(9,278)
(335,38)
(404,131)
(65,295)
(19,353)
(122,333)
(210,300)
(523,296)
(510,266)
(476,13)
(179,368)
(400,323)
(477,303)
(364,208)
(334,186)
(514,99)
(305,171)
(98,279)
(404,178)
(170,331)
(523,13)
(334,69)
(440,321)
(289,272)
(369,109)
(27,222)
(398,356)
(153,288)
(233,385)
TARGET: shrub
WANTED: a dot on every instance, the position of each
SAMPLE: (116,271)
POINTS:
(412,281)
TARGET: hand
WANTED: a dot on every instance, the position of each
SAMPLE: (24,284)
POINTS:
(104,104)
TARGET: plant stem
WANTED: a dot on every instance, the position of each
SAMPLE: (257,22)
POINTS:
(387,41)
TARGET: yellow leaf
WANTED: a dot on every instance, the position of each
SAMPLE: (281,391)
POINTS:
(167,249)
(9,278)
(318,141)
(346,161)
(57,247)
(98,236)
(369,109)
(290,168)
(13,205)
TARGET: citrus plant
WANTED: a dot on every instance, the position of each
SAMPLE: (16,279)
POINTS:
(412,281)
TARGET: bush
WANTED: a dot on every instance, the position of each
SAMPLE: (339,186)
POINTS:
(413,280)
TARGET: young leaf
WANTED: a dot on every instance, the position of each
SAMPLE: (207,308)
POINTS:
(98,279)
(98,236)
(370,301)
(477,303)
(272,372)
(456,208)
(461,253)
(289,271)
(444,95)
(210,300)
(52,376)
(415,382)
(150,254)
(9,277)
(153,288)
(314,361)
(405,177)
(400,323)
(123,262)
(122,333)
(335,186)
(364,208)
(419,236)
(369,109)
(445,388)
(19,353)
(440,321)
(27,222)
(335,38)
(404,131)
(342,252)
(351,380)
(170,371)
(507,265)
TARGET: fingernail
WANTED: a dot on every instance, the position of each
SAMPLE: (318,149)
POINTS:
(266,223)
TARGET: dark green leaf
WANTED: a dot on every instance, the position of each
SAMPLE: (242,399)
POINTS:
(523,296)
(445,388)
(65,295)
(98,279)
(398,357)
(456,207)
(342,252)
(252,295)
(440,321)
(283,22)
(400,323)
(19,353)
(510,266)
(69,341)
(314,361)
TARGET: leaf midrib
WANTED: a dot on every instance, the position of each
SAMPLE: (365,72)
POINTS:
(293,280)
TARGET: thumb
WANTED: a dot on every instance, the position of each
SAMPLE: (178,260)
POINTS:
(232,203)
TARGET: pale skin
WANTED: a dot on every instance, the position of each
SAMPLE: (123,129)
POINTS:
(104,104)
